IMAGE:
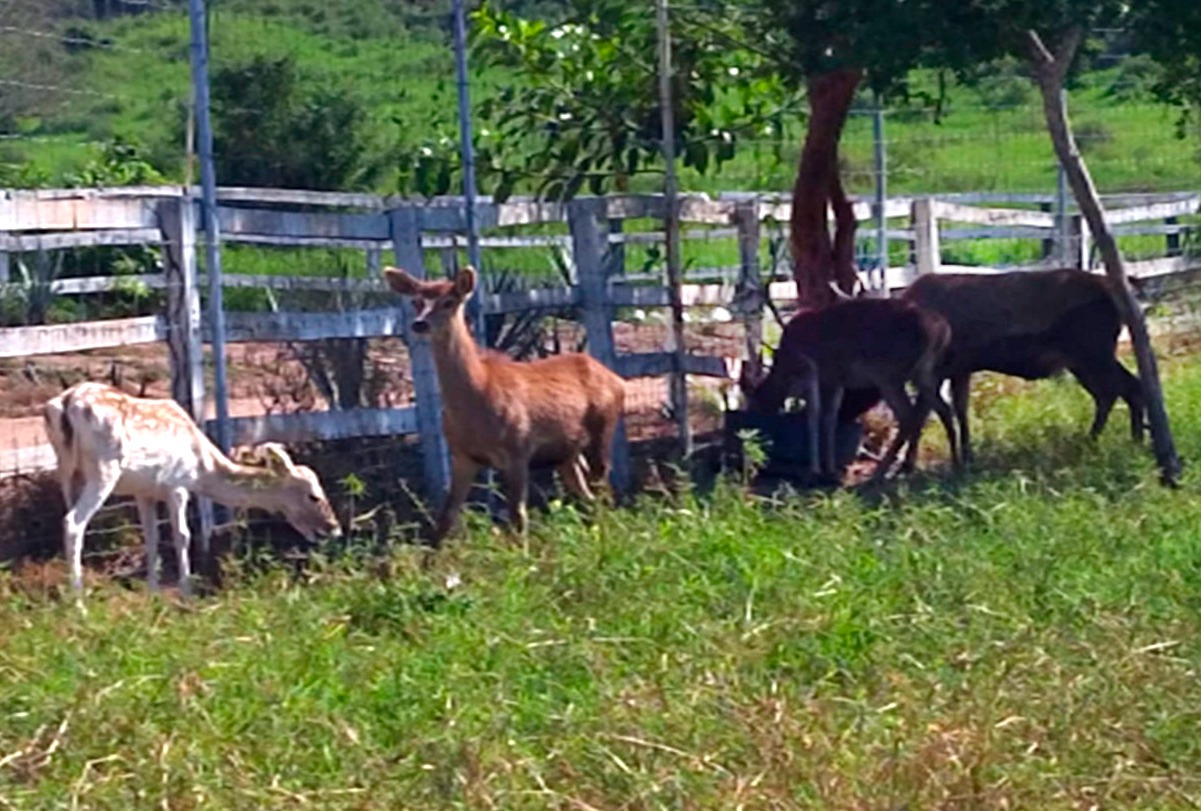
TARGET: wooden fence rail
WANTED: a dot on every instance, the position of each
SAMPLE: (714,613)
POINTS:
(39,222)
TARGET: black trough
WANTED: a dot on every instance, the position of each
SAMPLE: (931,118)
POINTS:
(785,439)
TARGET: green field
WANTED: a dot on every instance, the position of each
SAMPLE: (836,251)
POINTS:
(1023,637)
(133,83)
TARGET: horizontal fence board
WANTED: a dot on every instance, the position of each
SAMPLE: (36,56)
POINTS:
(302,224)
(992,216)
(541,298)
(1164,266)
(305,242)
(21,213)
(14,243)
(656,364)
(985,232)
(17,342)
(1156,211)
(322,425)
(293,326)
(34,459)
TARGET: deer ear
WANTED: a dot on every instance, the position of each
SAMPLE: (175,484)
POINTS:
(251,457)
(465,281)
(278,460)
(401,282)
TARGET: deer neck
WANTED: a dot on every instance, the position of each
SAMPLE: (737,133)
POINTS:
(461,373)
(227,482)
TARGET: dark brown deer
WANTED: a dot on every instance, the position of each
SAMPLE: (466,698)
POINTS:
(859,345)
(1031,324)
(508,415)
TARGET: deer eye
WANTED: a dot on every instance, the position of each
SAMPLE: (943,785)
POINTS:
(313,497)
(446,305)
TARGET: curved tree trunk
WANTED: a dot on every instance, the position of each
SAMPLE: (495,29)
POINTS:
(818,260)
(1050,69)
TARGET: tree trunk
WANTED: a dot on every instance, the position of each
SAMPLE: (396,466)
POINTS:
(1049,73)
(817,260)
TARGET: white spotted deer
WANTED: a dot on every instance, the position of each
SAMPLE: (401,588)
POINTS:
(505,414)
(107,443)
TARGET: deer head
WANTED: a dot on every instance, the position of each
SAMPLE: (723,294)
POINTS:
(296,492)
(435,304)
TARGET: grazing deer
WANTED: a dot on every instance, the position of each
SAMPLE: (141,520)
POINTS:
(858,345)
(1031,324)
(505,414)
(107,442)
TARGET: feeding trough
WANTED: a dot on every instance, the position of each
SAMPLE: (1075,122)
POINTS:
(785,439)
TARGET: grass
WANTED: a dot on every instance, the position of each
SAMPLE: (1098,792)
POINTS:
(1024,637)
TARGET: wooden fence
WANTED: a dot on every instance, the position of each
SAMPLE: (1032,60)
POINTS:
(167,217)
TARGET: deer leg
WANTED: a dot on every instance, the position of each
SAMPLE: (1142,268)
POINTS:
(517,484)
(177,508)
(599,456)
(829,413)
(572,471)
(813,417)
(961,389)
(148,515)
(95,492)
(1096,384)
(462,474)
(1131,390)
(928,395)
(906,416)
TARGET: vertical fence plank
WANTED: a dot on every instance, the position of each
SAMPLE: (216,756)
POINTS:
(406,240)
(1171,239)
(177,218)
(591,264)
(749,298)
(928,258)
(5,275)
(185,347)
(375,263)
(1077,245)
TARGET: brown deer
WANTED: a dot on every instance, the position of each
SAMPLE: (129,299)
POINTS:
(1031,324)
(505,414)
(107,442)
(861,345)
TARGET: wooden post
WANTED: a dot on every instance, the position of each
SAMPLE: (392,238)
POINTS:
(1050,69)
(406,239)
(185,347)
(375,263)
(588,248)
(1171,238)
(926,247)
(1077,247)
(1049,244)
(749,296)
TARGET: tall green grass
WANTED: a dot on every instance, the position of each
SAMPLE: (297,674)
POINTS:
(1026,636)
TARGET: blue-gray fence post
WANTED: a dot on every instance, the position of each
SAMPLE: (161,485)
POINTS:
(880,159)
(212,235)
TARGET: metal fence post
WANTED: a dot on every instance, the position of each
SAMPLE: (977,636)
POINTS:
(212,235)
(880,159)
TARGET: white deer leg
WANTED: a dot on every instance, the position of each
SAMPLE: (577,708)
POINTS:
(177,506)
(573,473)
(95,492)
(148,515)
